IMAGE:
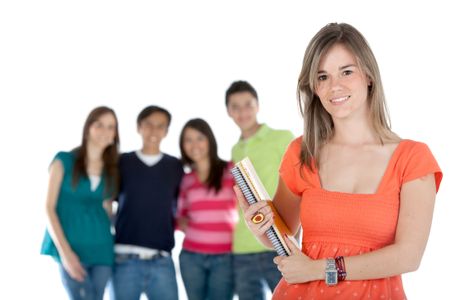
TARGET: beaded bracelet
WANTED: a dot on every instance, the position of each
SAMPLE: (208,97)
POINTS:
(340,266)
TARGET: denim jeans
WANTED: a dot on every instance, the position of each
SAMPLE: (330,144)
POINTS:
(155,277)
(253,272)
(93,286)
(207,276)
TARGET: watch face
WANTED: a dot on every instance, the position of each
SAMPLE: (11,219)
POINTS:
(331,277)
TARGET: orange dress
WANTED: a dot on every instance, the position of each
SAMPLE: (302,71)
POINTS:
(344,224)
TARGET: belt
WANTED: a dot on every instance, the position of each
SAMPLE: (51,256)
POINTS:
(143,256)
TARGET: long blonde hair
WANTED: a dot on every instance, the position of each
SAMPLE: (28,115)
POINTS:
(318,124)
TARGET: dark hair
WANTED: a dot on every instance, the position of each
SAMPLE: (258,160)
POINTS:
(240,87)
(149,110)
(110,154)
(216,165)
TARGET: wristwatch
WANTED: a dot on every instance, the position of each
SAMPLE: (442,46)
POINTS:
(331,274)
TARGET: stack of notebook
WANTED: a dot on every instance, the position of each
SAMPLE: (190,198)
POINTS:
(249,183)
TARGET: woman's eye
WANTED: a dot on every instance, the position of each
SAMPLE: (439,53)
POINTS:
(347,72)
(322,77)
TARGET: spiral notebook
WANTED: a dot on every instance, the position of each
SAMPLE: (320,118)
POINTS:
(249,183)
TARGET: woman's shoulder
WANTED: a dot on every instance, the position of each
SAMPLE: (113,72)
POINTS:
(413,154)
(64,155)
(67,158)
(408,147)
(295,146)
(291,158)
(416,160)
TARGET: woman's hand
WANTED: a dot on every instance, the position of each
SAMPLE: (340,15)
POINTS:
(298,267)
(258,229)
(249,211)
(72,265)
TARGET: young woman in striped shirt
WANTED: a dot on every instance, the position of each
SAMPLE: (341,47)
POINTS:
(206,214)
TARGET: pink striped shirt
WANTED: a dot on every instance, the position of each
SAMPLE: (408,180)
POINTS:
(211,216)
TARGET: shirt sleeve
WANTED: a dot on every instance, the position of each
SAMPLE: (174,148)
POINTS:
(421,162)
(62,157)
(67,161)
(290,167)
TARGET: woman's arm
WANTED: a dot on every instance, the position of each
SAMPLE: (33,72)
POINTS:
(69,259)
(288,206)
(286,203)
(417,199)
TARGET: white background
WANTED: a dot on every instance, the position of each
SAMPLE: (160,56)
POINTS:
(59,59)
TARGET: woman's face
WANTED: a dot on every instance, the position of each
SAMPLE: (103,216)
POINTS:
(341,84)
(103,131)
(195,145)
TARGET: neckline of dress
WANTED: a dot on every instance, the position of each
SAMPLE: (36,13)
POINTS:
(382,180)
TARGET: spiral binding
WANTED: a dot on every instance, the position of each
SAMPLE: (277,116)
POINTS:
(240,181)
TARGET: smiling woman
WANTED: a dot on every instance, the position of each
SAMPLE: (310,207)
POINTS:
(81,186)
(365,197)
(206,214)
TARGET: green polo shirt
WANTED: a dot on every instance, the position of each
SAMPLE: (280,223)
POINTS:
(265,149)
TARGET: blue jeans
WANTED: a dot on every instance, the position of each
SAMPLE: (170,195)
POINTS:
(253,272)
(93,286)
(155,277)
(207,276)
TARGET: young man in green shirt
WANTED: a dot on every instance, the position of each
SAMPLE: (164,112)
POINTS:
(253,263)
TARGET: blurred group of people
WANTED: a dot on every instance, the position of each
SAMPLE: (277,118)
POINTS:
(155,197)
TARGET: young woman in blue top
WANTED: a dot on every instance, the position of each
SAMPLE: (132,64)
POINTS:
(79,235)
